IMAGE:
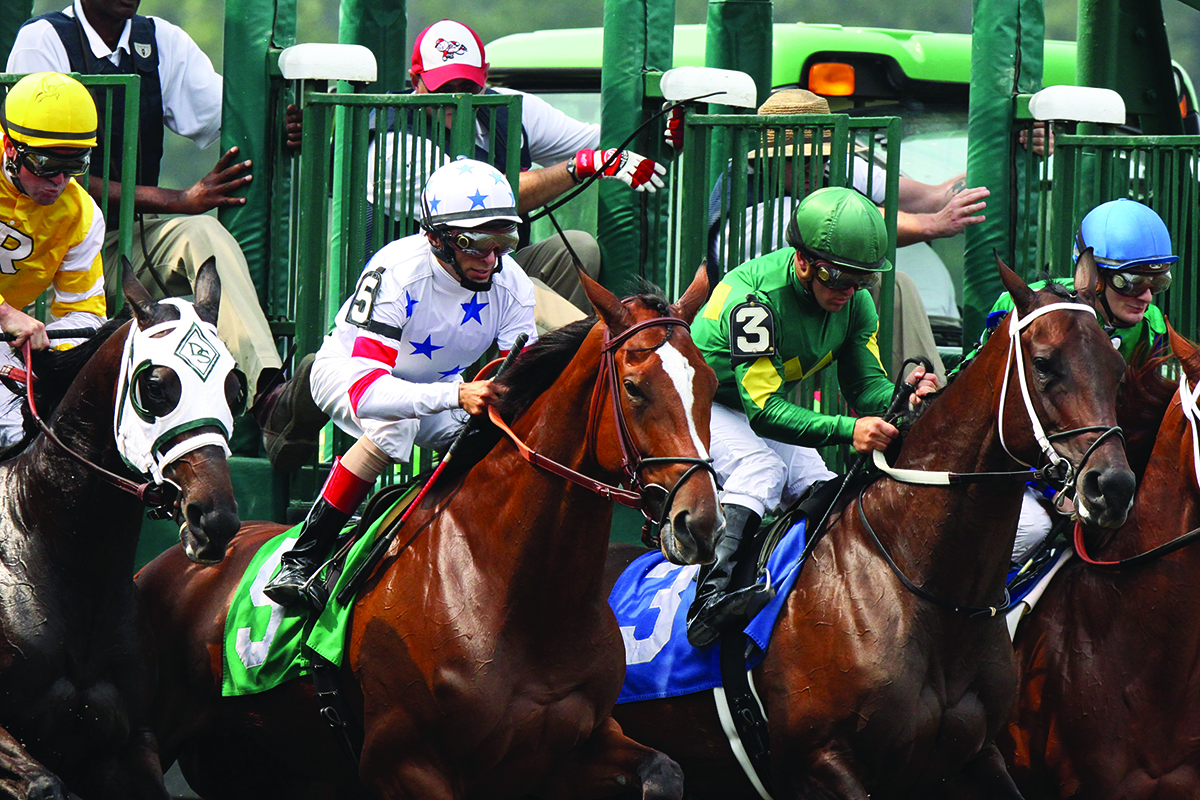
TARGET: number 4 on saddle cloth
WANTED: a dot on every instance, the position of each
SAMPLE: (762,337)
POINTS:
(265,645)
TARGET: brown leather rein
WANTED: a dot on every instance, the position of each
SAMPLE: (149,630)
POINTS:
(158,496)
(632,462)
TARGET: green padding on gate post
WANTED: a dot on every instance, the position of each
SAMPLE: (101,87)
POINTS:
(639,36)
(252,28)
(738,36)
(382,27)
(1006,60)
(13,14)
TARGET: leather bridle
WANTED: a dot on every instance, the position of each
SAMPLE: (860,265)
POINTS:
(640,494)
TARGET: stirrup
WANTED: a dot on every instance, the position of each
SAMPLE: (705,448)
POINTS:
(723,612)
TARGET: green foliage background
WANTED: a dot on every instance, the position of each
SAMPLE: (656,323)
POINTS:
(317,21)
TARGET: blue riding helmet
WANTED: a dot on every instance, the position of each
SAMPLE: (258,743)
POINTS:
(1125,235)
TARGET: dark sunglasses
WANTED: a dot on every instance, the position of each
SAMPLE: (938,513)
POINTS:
(480,244)
(1132,284)
(49,165)
(840,280)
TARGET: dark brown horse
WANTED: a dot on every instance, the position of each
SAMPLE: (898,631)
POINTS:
(75,664)
(483,659)
(1109,695)
(868,688)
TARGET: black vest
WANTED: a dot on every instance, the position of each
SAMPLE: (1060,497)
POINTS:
(143,62)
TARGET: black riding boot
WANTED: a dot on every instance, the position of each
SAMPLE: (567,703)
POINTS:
(714,610)
(321,527)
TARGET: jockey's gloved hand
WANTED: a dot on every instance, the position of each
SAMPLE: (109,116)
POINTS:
(673,135)
(638,172)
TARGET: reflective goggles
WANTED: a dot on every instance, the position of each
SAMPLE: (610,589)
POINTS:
(1133,284)
(839,280)
(50,165)
(481,244)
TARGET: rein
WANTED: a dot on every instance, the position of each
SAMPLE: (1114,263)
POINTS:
(159,497)
(1058,471)
(1187,399)
(632,462)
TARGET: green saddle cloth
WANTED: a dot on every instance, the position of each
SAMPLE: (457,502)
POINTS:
(265,644)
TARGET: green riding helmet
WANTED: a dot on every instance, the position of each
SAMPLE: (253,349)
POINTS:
(843,227)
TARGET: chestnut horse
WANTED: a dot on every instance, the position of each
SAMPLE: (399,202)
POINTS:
(873,691)
(75,663)
(483,660)
(1109,703)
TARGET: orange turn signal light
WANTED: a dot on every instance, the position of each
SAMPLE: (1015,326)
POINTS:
(831,79)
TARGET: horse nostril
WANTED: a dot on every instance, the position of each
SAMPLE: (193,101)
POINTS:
(1113,487)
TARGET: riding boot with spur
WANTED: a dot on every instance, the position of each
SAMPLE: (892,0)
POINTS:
(716,609)
(290,420)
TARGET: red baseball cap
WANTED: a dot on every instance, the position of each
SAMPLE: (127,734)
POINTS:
(447,50)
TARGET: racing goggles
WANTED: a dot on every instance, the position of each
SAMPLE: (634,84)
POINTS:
(1133,284)
(44,164)
(839,280)
(481,244)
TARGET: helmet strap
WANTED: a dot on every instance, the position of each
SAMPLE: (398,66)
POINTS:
(13,169)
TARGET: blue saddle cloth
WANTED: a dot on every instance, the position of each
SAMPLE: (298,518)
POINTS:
(651,599)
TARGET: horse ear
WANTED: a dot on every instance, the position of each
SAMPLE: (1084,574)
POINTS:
(1187,353)
(694,297)
(1021,294)
(614,313)
(208,291)
(136,296)
(1087,277)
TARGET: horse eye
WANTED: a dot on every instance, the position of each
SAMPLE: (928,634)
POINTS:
(633,391)
(1044,367)
(158,390)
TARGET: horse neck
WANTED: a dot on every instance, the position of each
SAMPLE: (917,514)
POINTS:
(65,502)
(956,538)
(555,533)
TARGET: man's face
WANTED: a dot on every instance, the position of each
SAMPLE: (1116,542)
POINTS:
(833,287)
(456,86)
(1127,311)
(478,251)
(43,191)
(112,10)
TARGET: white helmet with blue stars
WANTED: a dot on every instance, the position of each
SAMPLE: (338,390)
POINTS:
(467,194)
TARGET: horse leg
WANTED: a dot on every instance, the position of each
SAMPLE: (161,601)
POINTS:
(610,764)
(23,778)
(984,777)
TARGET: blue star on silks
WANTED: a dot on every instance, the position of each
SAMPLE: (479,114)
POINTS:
(499,179)
(465,169)
(425,348)
(433,204)
(477,199)
(451,372)
(409,302)
(471,310)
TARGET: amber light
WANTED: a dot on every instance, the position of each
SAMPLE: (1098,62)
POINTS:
(831,79)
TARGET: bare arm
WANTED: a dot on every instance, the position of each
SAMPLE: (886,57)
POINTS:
(962,211)
(214,190)
(541,186)
(926,198)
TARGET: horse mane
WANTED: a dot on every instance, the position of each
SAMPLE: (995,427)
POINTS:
(1141,405)
(56,370)
(535,370)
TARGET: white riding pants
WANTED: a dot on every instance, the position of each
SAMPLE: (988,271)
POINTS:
(1033,526)
(760,474)
(331,378)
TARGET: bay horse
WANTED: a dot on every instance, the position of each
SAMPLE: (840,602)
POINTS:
(1109,700)
(75,661)
(483,659)
(870,690)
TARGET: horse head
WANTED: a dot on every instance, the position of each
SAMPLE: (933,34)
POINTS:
(657,430)
(180,393)
(1066,374)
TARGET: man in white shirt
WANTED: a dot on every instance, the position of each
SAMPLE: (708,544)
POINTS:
(180,91)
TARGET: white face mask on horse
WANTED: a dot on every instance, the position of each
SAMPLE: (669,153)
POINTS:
(191,348)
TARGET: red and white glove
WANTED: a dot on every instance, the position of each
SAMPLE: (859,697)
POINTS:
(673,135)
(638,172)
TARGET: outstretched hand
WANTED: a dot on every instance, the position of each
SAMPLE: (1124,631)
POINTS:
(638,172)
(959,213)
(215,189)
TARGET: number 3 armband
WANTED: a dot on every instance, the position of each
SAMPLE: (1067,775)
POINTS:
(751,331)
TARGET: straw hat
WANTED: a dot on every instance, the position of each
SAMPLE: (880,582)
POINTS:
(795,101)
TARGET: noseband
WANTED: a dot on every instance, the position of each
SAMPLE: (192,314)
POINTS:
(640,495)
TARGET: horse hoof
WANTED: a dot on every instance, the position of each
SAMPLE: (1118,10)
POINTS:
(662,778)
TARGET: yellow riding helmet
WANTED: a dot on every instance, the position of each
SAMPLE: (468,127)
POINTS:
(48,109)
